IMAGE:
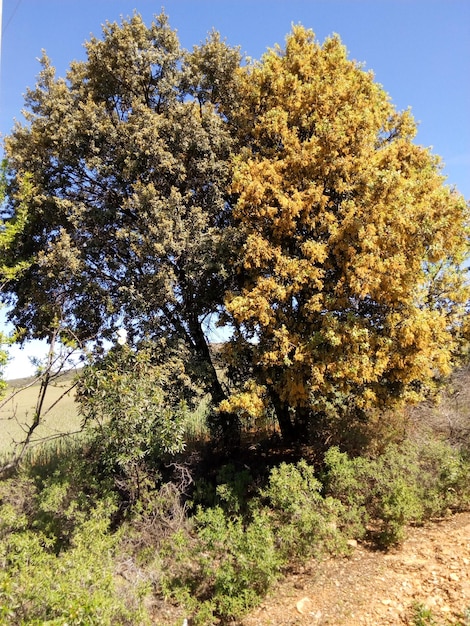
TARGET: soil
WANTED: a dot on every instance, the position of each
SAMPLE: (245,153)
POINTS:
(428,574)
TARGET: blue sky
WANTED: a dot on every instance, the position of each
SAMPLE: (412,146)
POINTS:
(419,51)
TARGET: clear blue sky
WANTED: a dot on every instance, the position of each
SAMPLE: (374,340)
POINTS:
(418,49)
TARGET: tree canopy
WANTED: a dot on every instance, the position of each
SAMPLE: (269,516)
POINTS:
(350,288)
(128,158)
(286,197)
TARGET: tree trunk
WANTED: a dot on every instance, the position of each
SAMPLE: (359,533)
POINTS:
(204,353)
(224,426)
(283,417)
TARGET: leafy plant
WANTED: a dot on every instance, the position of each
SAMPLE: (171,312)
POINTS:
(135,423)
(422,616)
(228,567)
(303,520)
(74,586)
(405,484)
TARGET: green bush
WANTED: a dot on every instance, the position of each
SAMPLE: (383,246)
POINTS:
(75,586)
(57,553)
(226,568)
(406,484)
(444,480)
(305,522)
(422,616)
(59,558)
(238,548)
(233,488)
(134,420)
(383,490)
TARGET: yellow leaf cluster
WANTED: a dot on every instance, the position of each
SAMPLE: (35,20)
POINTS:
(344,218)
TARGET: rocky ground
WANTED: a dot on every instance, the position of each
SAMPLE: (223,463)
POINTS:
(428,575)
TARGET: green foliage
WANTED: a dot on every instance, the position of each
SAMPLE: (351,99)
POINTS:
(3,362)
(304,521)
(11,228)
(129,161)
(10,265)
(405,484)
(134,420)
(238,548)
(76,586)
(228,567)
(218,563)
(57,555)
(233,488)
(422,616)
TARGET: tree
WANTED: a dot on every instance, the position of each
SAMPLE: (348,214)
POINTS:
(129,161)
(351,293)
(62,349)
(169,188)
(11,226)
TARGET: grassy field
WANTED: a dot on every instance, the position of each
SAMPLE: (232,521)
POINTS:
(60,413)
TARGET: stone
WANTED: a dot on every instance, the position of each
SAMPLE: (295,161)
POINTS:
(304,606)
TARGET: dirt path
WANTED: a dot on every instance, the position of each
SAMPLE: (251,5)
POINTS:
(431,569)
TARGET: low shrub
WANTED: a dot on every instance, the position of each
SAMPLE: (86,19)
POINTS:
(226,567)
(75,586)
(303,520)
(406,484)
(237,549)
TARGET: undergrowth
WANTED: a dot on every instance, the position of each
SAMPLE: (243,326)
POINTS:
(74,549)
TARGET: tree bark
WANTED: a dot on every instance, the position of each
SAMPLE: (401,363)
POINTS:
(283,417)
(224,427)
(202,348)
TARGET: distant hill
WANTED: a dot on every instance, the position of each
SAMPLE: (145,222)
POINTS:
(68,375)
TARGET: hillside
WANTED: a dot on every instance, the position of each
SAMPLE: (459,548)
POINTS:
(18,406)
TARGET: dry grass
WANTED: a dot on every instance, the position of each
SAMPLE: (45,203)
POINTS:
(60,412)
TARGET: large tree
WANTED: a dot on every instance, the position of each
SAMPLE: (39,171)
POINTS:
(351,292)
(167,188)
(128,159)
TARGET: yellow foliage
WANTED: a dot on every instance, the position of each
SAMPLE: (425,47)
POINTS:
(350,284)
(249,403)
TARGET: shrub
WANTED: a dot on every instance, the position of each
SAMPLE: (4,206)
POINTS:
(444,480)
(305,522)
(238,548)
(135,422)
(76,586)
(227,567)
(233,488)
(405,484)
(383,490)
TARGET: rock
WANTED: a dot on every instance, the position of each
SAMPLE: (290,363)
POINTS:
(352,543)
(304,606)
